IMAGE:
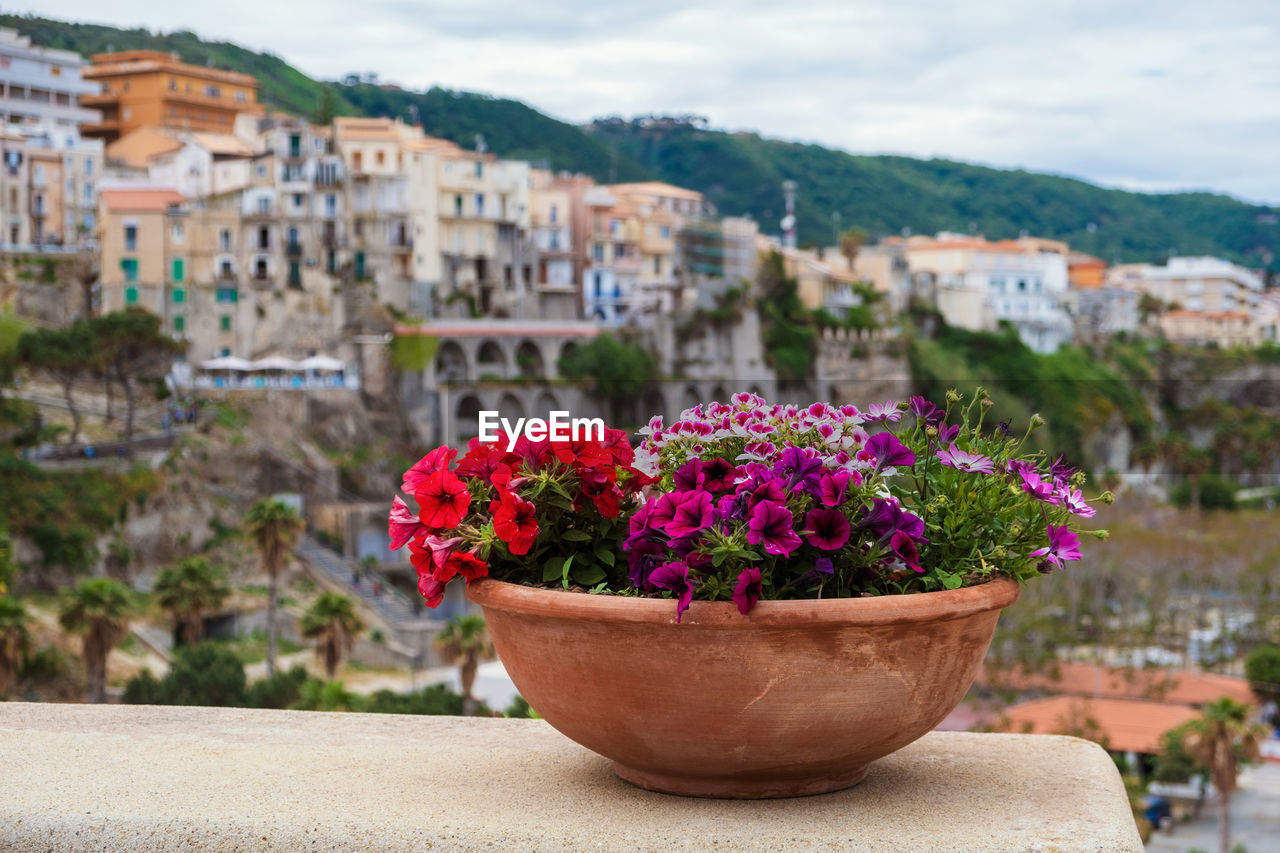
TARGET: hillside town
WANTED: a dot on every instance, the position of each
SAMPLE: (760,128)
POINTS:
(338,293)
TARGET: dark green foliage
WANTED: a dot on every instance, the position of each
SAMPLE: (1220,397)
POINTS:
(620,370)
(434,700)
(1173,763)
(281,690)
(1262,669)
(1216,492)
(790,332)
(205,674)
(520,709)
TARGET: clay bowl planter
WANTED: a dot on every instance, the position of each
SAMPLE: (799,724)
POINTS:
(797,697)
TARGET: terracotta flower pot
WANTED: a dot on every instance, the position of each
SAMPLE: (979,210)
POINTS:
(797,697)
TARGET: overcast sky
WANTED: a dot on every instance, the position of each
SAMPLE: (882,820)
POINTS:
(1144,94)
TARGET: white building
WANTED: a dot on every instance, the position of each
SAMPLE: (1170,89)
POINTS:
(977,283)
(1192,283)
(43,86)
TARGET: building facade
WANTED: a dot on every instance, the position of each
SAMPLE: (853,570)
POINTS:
(43,87)
(151,88)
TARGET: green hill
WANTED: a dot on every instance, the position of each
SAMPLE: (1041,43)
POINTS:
(742,172)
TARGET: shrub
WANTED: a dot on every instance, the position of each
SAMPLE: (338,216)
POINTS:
(281,690)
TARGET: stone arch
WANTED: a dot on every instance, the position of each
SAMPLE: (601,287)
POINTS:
(690,397)
(654,404)
(545,403)
(755,389)
(466,421)
(719,395)
(511,407)
(567,349)
(529,360)
(451,363)
(490,360)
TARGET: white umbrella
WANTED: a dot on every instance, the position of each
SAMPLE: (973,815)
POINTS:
(226,362)
(274,362)
(321,362)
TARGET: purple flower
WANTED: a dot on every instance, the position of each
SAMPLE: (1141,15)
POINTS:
(1034,486)
(1074,501)
(772,524)
(689,476)
(963,461)
(1060,472)
(731,508)
(747,591)
(642,558)
(814,577)
(829,529)
(886,411)
(924,410)
(765,490)
(888,451)
(947,434)
(885,517)
(664,509)
(675,577)
(800,469)
(832,486)
(1063,546)
(692,513)
(905,547)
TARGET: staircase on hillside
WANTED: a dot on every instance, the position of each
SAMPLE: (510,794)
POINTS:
(392,605)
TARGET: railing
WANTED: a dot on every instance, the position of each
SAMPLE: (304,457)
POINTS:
(286,383)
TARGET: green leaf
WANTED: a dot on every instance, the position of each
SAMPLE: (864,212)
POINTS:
(553,569)
(950,581)
(588,575)
(606,556)
(564,572)
(577,535)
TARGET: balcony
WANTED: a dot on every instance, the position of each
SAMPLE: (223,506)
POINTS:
(121,777)
(293,250)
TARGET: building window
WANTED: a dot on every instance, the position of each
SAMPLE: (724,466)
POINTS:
(260,268)
(479,204)
(130,267)
(357,160)
(297,198)
(227,272)
(479,169)
(213,91)
(597,252)
(619,251)
(264,205)
(457,205)
(553,214)
(380,157)
(295,145)
(131,238)
(264,237)
(359,264)
(228,295)
(224,322)
(295,274)
(179,323)
(224,240)
(88,167)
(330,205)
(657,265)
(331,262)
(293,238)
(262,170)
(240,96)
(177,276)
(130,295)
(173,84)
(175,232)
(665,232)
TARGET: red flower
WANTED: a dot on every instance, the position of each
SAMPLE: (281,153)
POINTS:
(486,462)
(402,525)
(442,500)
(600,484)
(582,454)
(431,590)
(430,555)
(468,565)
(436,460)
(515,523)
(619,444)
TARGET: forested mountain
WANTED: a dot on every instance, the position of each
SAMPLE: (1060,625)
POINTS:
(742,172)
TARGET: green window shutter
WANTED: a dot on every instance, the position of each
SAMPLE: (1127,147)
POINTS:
(130,267)
(177,269)
(235,295)
(179,323)
(130,295)
(179,295)
(224,322)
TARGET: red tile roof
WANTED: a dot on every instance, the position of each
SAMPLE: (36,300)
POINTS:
(1181,687)
(140,200)
(1126,725)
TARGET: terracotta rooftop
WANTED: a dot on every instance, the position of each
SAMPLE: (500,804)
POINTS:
(1085,679)
(223,144)
(976,245)
(136,148)
(140,61)
(140,200)
(657,188)
(1127,725)
(1184,314)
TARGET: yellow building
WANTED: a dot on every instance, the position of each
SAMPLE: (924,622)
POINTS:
(47,196)
(153,88)
(141,235)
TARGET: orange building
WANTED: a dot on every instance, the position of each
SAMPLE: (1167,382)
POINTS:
(1086,272)
(151,88)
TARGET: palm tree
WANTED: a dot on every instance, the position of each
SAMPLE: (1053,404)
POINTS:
(98,608)
(15,639)
(273,528)
(188,591)
(1221,740)
(464,640)
(332,622)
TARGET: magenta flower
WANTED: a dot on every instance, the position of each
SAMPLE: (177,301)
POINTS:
(692,513)
(829,529)
(765,490)
(800,469)
(1074,501)
(888,451)
(436,460)
(1060,472)
(747,591)
(886,411)
(962,461)
(721,475)
(924,410)
(403,523)
(947,434)
(772,524)
(1063,546)
(1034,486)
(690,476)
(675,577)
(832,486)
(905,547)
(885,517)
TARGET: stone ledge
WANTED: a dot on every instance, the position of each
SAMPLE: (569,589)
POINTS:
(81,777)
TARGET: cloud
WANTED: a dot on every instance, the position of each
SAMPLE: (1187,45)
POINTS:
(1176,95)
